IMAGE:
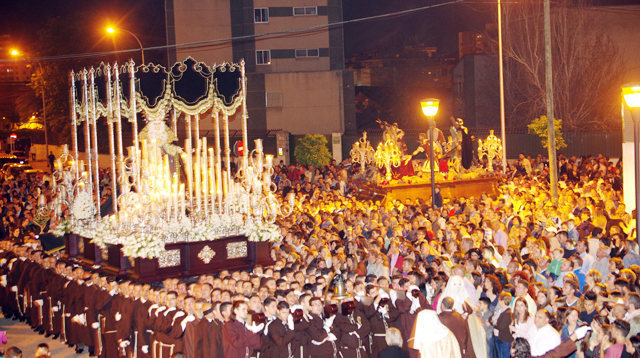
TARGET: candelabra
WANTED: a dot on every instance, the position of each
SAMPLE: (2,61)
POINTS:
(491,147)
(362,152)
(387,155)
(257,191)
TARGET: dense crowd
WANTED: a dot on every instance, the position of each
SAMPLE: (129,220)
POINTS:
(503,274)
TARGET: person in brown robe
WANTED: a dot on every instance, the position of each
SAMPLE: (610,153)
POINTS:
(239,340)
(302,340)
(323,340)
(381,317)
(458,325)
(109,312)
(354,333)
(184,328)
(280,334)
(208,334)
(408,310)
(140,317)
(165,342)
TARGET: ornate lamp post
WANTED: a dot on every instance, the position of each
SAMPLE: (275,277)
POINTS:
(492,148)
(362,152)
(430,108)
(631,93)
(387,155)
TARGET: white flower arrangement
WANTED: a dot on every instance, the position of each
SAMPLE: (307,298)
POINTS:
(64,227)
(262,231)
(83,206)
(146,246)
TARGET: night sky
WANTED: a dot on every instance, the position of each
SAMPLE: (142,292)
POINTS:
(433,27)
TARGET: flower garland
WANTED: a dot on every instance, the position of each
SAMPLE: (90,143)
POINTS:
(83,206)
(262,231)
(64,227)
(150,245)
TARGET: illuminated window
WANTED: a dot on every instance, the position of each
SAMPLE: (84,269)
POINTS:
(263,57)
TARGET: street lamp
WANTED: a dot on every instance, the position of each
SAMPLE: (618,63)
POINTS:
(44,106)
(430,108)
(112,30)
(631,93)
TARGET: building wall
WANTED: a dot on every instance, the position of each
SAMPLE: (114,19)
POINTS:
(312,102)
(207,20)
(317,95)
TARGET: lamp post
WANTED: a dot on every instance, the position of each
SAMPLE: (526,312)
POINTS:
(631,93)
(502,112)
(112,30)
(44,106)
(553,167)
(430,108)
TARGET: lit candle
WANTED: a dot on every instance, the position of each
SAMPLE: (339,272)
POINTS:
(269,160)
(182,203)
(198,183)
(219,183)
(188,163)
(144,149)
(175,195)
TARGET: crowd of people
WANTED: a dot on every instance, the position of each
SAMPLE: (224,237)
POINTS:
(509,273)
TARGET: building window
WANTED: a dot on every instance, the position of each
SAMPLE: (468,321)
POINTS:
(307,52)
(273,99)
(263,57)
(261,14)
(307,10)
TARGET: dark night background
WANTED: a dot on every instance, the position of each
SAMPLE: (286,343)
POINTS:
(432,27)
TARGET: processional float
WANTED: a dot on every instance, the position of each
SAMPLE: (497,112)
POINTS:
(164,193)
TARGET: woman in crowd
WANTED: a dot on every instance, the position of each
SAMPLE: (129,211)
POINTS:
(521,319)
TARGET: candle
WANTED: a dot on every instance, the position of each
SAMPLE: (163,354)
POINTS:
(182,203)
(219,184)
(198,183)
(212,181)
(167,198)
(212,186)
(144,149)
(205,180)
(205,190)
(175,195)
(258,145)
(269,160)
(188,163)
(65,149)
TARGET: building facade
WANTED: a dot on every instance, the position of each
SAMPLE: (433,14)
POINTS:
(294,58)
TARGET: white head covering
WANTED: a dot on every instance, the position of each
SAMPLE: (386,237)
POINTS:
(432,338)
(429,329)
(456,290)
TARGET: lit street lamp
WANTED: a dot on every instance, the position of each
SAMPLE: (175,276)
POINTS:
(631,93)
(112,30)
(430,109)
(44,106)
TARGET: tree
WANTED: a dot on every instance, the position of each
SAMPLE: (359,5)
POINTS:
(587,66)
(539,126)
(312,149)
(61,36)
(27,105)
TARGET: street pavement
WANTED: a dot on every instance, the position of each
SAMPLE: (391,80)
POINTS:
(21,335)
